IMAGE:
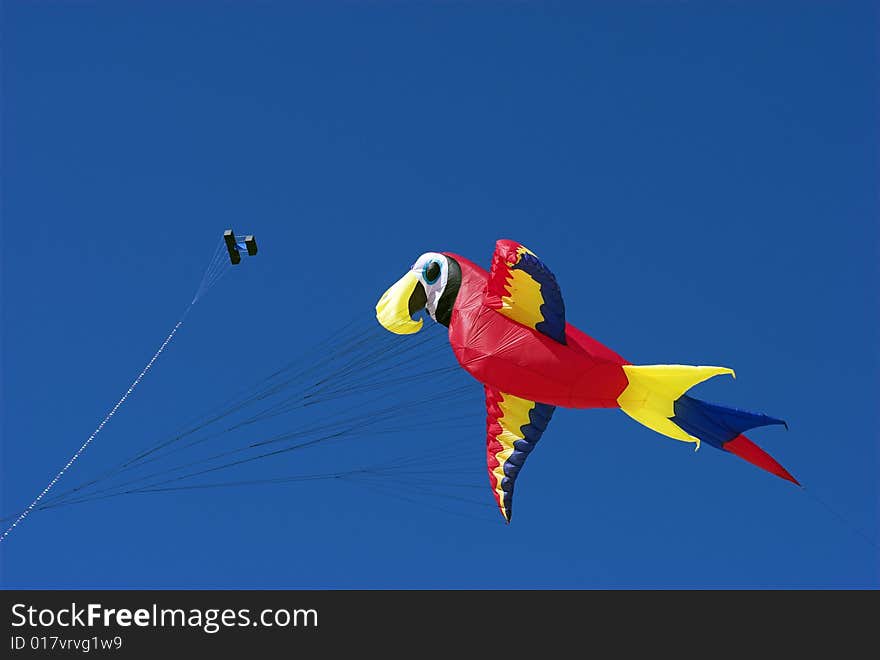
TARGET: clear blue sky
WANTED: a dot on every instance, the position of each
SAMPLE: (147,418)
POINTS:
(702,178)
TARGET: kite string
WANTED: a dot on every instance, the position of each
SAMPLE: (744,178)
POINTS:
(216,269)
(841,518)
(106,419)
(141,459)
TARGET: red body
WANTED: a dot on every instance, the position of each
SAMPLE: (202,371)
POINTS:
(518,360)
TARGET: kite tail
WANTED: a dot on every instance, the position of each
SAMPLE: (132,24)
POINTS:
(656,397)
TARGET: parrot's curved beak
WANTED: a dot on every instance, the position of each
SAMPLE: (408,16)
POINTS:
(397,305)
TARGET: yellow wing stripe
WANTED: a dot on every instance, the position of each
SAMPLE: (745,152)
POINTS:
(522,288)
(524,300)
(515,415)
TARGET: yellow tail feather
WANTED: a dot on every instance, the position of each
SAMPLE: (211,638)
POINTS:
(650,396)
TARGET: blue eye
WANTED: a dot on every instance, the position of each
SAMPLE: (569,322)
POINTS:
(431,271)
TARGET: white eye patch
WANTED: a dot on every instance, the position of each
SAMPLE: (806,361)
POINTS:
(432,269)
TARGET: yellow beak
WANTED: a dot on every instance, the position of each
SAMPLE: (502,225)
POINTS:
(397,305)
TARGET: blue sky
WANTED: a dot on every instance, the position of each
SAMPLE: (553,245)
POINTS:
(701,177)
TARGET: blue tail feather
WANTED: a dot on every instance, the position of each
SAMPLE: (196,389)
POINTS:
(714,424)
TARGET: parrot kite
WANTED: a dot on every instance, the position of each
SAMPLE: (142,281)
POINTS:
(508,330)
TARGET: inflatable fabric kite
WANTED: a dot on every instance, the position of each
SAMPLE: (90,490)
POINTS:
(507,328)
